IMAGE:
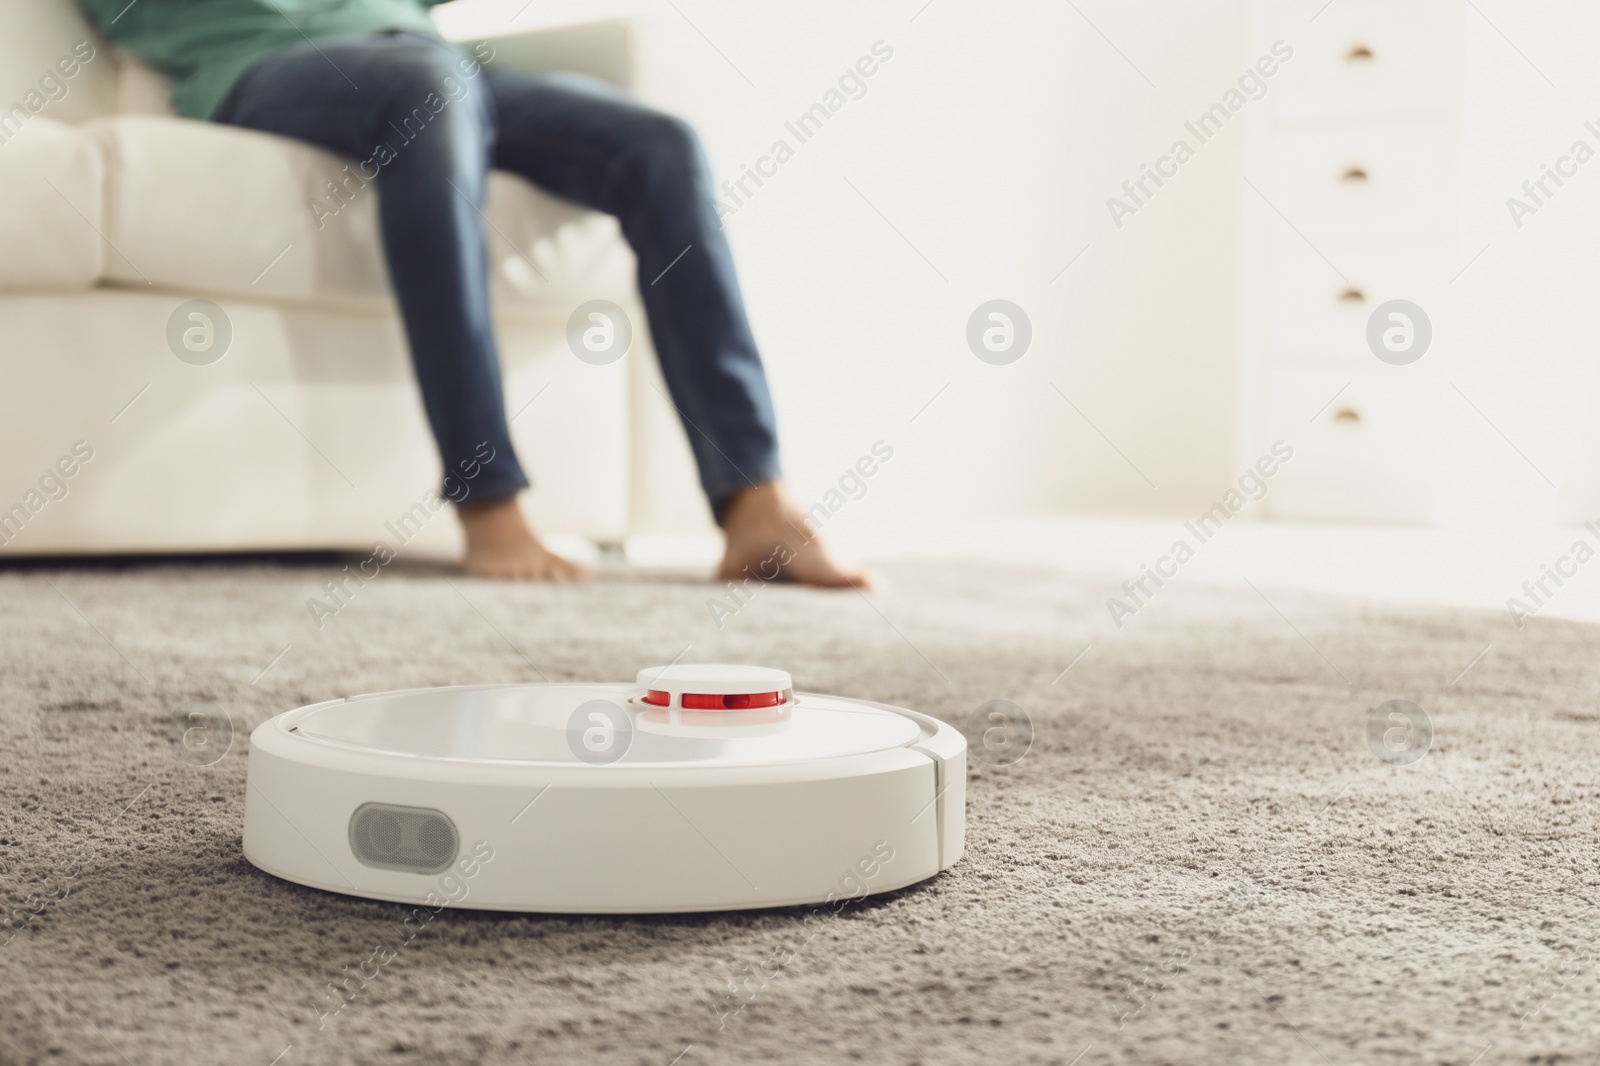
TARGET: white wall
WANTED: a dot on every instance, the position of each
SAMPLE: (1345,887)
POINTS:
(990,141)
(1527,306)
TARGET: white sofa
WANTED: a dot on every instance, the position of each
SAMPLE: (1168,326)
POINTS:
(309,432)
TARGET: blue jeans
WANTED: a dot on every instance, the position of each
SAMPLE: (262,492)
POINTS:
(445,122)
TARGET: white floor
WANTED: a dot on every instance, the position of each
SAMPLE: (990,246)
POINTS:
(1455,566)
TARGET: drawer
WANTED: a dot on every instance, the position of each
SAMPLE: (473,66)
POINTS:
(1386,186)
(1313,313)
(1367,457)
(1365,57)
(1386,404)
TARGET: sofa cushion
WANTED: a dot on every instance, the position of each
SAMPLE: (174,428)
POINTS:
(51,181)
(195,206)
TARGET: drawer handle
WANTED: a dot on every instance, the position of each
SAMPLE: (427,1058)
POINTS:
(1352,295)
(1358,54)
(1354,174)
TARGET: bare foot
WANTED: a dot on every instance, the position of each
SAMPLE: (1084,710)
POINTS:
(768,536)
(500,544)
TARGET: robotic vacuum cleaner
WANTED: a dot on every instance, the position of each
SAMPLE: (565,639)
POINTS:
(697,788)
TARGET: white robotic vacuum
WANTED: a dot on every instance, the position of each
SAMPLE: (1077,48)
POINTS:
(699,788)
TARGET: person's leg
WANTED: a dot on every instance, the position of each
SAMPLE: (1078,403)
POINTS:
(591,144)
(417,117)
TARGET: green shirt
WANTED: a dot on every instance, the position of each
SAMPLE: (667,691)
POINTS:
(203,46)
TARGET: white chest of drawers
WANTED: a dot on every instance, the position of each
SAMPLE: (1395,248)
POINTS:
(1351,165)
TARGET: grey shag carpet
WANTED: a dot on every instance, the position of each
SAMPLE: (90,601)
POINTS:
(1200,860)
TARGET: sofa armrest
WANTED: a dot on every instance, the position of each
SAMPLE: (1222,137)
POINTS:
(602,50)
(599,48)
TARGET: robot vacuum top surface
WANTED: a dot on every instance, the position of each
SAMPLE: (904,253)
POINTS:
(685,716)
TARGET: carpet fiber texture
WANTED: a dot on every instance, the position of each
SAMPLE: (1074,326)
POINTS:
(1201,859)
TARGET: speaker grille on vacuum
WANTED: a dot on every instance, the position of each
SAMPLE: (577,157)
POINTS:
(416,840)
